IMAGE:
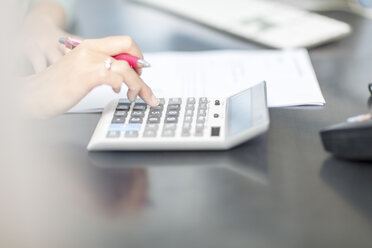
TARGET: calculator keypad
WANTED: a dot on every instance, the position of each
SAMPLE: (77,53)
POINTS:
(179,117)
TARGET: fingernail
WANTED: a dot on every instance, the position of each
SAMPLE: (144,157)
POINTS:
(155,101)
(132,96)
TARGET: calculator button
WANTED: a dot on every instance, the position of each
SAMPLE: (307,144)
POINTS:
(203,100)
(172,113)
(175,101)
(191,100)
(123,107)
(171,119)
(190,106)
(201,119)
(202,112)
(217,102)
(185,132)
(131,134)
(170,126)
(155,113)
(140,101)
(199,126)
(199,132)
(135,120)
(121,113)
(216,115)
(153,120)
(161,101)
(118,119)
(187,126)
(138,114)
(203,106)
(152,126)
(215,131)
(139,106)
(157,108)
(149,133)
(168,133)
(113,134)
(188,119)
(173,107)
(189,113)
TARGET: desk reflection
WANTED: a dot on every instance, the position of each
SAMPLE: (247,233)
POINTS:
(352,180)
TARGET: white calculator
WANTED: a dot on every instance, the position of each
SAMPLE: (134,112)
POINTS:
(192,123)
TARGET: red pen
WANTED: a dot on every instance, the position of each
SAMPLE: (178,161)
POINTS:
(133,61)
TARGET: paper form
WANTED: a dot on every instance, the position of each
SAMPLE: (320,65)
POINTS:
(290,77)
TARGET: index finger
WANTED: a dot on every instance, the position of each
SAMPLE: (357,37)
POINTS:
(115,45)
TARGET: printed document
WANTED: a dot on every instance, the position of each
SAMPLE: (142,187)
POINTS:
(290,77)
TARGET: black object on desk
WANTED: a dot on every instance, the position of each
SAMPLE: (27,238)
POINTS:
(351,139)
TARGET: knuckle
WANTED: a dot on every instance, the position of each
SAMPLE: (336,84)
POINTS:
(129,41)
(134,88)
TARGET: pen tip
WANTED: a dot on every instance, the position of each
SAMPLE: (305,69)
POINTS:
(143,63)
(62,40)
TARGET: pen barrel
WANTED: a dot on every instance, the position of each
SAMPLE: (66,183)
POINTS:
(132,60)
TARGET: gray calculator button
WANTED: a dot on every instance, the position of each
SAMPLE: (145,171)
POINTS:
(168,133)
(155,113)
(157,108)
(152,126)
(185,132)
(170,126)
(202,112)
(175,101)
(203,100)
(199,126)
(172,113)
(123,107)
(140,101)
(149,133)
(203,106)
(216,115)
(199,132)
(161,101)
(113,134)
(188,119)
(217,102)
(135,120)
(118,119)
(190,107)
(140,107)
(171,119)
(186,126)
(189,113)
(138,114)
(173,107)
(131,134)
(154,120)
(201,119)
(191,100)
(120,113)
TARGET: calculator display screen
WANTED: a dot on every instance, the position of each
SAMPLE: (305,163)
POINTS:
(240,112)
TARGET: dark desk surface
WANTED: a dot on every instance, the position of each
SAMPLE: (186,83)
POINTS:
(279,190)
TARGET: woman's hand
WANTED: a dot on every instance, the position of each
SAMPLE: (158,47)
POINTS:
(62,85)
